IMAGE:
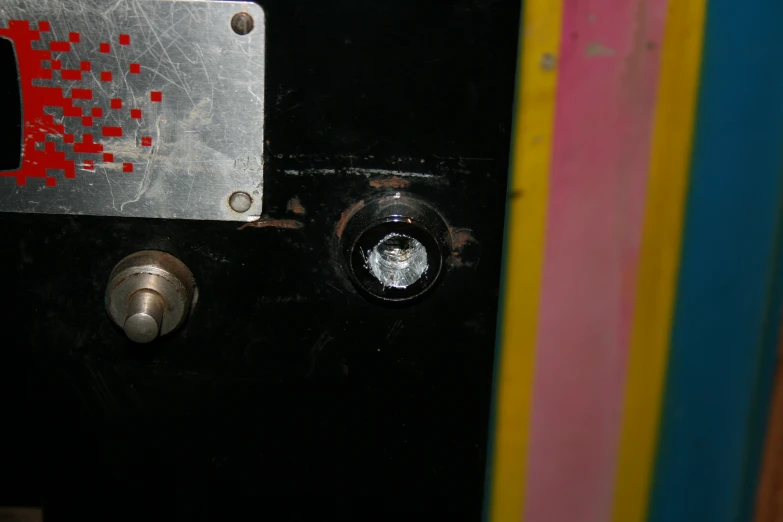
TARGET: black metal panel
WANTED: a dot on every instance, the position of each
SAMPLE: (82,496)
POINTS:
(287,395)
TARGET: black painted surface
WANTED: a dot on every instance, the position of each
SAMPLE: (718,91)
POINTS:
(287,396)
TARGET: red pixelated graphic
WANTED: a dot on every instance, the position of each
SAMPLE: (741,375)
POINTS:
(71,110)
(156,96)
(71,74)
(87,145)
(60,47)
(111,132)
(81,94)
(37,124)
(41,132)
(136,114)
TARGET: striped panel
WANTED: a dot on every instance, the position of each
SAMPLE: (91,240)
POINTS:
(660,256)
(725,306)
(525,231)
(608,74)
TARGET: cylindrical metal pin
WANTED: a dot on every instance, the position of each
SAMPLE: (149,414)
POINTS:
(145,316)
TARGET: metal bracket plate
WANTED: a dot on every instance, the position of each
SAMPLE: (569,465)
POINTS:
(136,108)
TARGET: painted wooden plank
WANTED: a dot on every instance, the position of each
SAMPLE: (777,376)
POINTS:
(729,272)
(660,256)
(524,247)
(769,500)
(608,65)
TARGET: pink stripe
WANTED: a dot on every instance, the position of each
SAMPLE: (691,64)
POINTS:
(608,72)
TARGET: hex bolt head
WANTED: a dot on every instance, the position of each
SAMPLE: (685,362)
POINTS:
(240,202)
(242,23)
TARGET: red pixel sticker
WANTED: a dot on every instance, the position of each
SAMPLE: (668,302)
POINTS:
(54,144)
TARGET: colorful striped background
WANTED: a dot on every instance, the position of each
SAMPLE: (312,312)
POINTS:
(642,277)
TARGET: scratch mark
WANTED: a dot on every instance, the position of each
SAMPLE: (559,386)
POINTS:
(277,223)
(360,172)
(317,349)
(147,169)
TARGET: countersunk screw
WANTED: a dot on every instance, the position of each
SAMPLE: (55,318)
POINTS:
(240,202)
(242,23)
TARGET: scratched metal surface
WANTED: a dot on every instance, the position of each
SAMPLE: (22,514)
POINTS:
(179,99)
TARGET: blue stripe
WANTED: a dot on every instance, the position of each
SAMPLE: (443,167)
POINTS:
(728,299)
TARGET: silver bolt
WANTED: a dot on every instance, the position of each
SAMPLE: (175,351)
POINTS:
(145,316)
(150,294)
(240,202)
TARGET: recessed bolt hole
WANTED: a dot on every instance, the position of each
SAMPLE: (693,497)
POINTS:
(397,261)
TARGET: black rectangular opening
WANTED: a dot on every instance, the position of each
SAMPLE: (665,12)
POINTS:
(11,100)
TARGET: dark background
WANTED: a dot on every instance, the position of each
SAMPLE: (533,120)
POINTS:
(287,396)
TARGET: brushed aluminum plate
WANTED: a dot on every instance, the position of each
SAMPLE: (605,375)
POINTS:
(137,108)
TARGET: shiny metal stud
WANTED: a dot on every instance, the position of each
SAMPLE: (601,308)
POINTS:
(150,294)
(240,202)
(145,315)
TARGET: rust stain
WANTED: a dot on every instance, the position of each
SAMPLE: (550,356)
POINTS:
(455,260)
(296,207)
(461,237)
(346,215)
(265,222)
(393,182)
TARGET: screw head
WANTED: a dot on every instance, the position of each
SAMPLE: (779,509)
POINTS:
(242,23)
(240,202)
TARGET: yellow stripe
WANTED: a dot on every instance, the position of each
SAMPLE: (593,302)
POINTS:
(532,147)
(660,256)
